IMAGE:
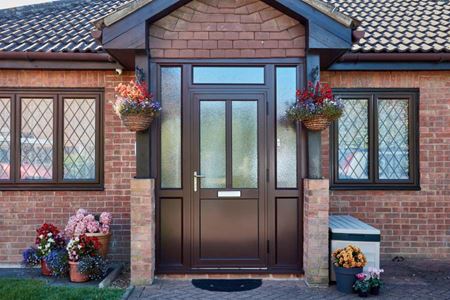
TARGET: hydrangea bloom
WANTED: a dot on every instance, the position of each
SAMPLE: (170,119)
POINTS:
(93,226)
(105,218)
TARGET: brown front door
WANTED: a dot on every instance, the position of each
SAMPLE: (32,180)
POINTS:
(228,178)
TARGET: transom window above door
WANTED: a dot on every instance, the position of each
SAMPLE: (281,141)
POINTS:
(50,139)
(374,145)
(228,75)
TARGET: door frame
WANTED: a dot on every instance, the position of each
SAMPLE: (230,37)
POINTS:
(271,191)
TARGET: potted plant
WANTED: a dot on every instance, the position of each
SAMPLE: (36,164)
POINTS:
(78,248)
(91,225)
(95,267)
(375,280)
(47,239)
(347,262)
(316,107)
(362,285)
(135,106)
(58,262)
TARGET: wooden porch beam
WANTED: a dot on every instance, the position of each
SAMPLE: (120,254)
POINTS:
(143,137)
(314,137)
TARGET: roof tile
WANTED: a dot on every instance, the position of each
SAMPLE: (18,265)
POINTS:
(389,25)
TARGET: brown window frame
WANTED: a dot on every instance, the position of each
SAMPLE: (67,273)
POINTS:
(57,182)
(373,182)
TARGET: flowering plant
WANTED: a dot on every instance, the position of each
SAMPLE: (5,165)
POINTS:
(134,98)
(57,261)
(81,246)
(31,257)
(349,257)
(95,267)
(362,283)
(48,238)
(375,277)
(83,222)
(314,101)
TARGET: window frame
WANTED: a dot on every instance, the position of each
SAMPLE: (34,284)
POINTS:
(57,182)
(374,182)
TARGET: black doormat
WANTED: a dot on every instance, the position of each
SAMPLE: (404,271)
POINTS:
(227,285)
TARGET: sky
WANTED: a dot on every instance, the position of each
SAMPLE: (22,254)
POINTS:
(14,3)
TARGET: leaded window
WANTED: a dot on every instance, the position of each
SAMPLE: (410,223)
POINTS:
(374,145)
(50,139)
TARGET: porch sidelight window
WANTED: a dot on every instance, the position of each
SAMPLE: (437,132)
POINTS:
(50,139)
(374,145)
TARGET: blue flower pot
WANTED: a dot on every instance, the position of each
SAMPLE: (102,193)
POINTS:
(345,278)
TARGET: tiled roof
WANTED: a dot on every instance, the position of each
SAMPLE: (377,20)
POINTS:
(389,25)
(62,26)
(400,26)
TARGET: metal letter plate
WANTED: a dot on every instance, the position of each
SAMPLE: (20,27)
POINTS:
(228,193)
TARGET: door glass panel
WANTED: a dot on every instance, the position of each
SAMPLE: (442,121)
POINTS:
(229,75)
(353,140)
(36,139)
(212,144)
(245,144)
(5,138)
(286,135)
(393,141)
(171,127)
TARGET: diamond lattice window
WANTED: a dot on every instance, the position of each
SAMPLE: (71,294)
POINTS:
(79,138)
(50,139)
(374,142)
(36,138)
(393,144)
(5,138)
(354,140)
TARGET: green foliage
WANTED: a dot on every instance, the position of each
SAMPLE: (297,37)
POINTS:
(27,289)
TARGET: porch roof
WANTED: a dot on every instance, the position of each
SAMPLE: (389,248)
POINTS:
(390,26)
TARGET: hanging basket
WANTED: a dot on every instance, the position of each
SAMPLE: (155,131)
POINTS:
(317,123)
(137,122)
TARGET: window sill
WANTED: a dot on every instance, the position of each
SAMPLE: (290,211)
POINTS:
(49,187)
(380,187)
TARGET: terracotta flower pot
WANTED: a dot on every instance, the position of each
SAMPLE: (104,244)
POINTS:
(75,275)
(104,242)
(45,270)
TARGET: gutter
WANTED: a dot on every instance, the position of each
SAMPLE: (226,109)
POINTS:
(395,57)
(57,56)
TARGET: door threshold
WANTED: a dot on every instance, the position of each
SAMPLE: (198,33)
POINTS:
(230,276)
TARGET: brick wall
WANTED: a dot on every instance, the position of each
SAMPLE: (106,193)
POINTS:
(22,212)
(227,29)
(412,223)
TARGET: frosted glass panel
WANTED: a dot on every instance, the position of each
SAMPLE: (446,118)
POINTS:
(229,75)
(286,137)
(171,127)
(393,141)
(36,138)
(245,144)
(212,144)
(353,154)
(5,138)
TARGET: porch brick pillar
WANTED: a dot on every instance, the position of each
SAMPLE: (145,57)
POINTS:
(315,235)
(142,231)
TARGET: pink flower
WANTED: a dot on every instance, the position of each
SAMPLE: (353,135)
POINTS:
(80,228)
(105,218)
(360,276)
(104,229)
(93,226)
(89,218)
(81,211)
(70,227)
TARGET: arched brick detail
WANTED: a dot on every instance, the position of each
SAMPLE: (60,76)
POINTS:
(227,29)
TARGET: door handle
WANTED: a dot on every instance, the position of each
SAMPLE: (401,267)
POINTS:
(196,176)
